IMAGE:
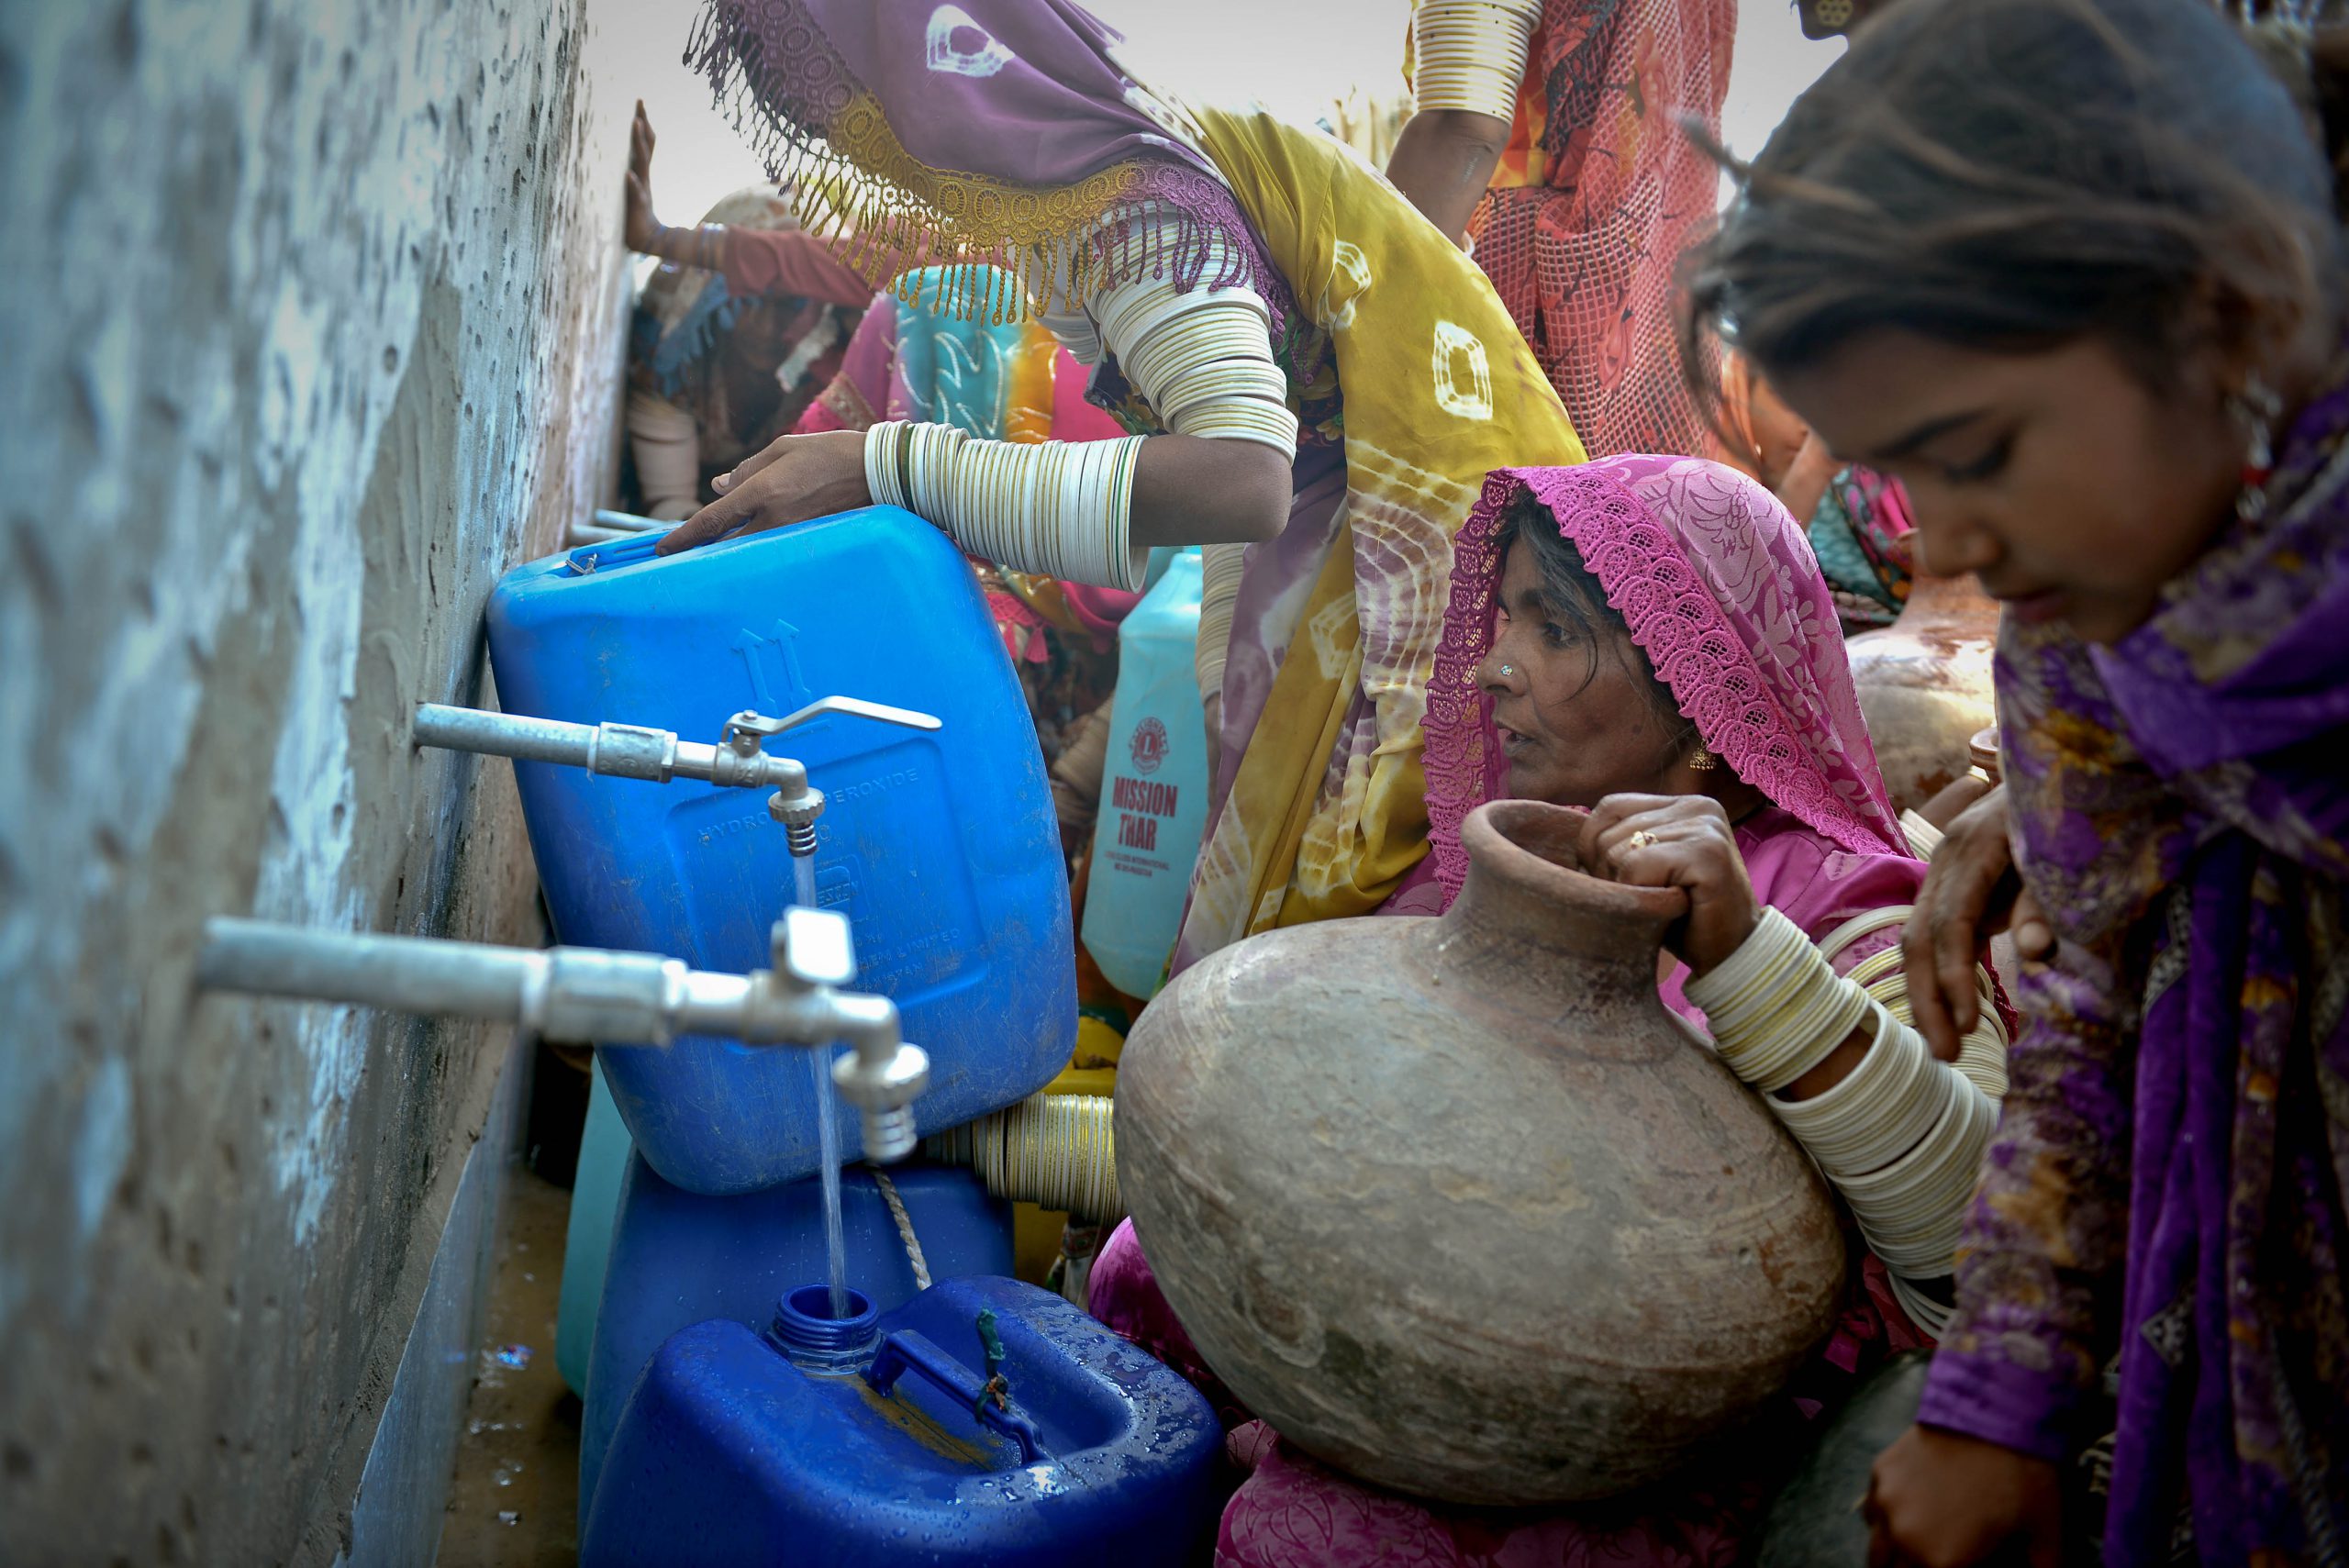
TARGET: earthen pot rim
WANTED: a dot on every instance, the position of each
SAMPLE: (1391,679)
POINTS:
(1496,836)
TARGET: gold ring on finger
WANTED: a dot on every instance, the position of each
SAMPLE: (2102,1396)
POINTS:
(1640,840)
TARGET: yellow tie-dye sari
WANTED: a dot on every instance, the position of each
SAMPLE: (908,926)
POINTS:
(1326,810)
(916,134)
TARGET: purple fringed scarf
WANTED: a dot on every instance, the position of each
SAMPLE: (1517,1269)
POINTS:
(1001,131)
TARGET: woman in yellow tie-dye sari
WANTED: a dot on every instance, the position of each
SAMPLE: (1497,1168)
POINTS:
(1237,284)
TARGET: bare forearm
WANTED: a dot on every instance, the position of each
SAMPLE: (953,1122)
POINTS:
(1442,162)
(1205,489)
(700,246)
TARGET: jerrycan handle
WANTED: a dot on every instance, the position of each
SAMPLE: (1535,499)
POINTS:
(910,1351)
(603,557)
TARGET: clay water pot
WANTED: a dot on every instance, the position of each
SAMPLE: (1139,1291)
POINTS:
(1924,685)
(1456,1205)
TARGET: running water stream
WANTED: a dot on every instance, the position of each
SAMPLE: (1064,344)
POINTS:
(828,1126)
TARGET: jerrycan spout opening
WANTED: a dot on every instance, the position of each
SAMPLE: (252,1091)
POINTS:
(816,1341)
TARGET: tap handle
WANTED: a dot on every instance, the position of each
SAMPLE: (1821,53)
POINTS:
(814,946)
(749,729)
(858,707)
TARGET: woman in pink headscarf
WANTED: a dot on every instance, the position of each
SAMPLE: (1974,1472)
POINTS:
(1649,638)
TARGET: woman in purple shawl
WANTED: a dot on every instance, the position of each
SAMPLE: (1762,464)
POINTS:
(2071,271)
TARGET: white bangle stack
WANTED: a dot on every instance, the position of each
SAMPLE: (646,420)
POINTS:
(1202,359)
(1882,1110)
(1981,1050)
(1220,568)
(1912,1209)
(1775,1007)
(1923,838)
(1055,508)
(1470,54)
(1900,1136)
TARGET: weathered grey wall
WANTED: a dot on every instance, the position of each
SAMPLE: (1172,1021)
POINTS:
(309,317)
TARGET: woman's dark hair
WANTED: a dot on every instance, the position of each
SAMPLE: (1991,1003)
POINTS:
(1574,597)
(2014,175)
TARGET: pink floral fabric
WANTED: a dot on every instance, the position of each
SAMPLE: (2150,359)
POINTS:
(1719,589)
(1291,1511)
(1295,1512)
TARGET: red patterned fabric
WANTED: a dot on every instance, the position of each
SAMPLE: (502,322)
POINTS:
(1584,259)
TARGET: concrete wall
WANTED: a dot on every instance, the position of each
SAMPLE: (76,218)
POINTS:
(311,313)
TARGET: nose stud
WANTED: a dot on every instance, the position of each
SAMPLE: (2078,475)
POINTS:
(1506,671)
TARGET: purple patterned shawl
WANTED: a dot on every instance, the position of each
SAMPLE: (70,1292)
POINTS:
(1718,588)
(988,129)
(2168,1177)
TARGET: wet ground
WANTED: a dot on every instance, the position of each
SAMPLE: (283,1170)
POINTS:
(514,1501)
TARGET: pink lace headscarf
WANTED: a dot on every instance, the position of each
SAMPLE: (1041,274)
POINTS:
(1721,591)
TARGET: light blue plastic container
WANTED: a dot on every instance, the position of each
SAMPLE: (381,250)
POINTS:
(604,1149)
(941,846)
(1155,788)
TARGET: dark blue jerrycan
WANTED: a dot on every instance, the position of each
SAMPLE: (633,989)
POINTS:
(939,846)
(986,1422)
(680,1258)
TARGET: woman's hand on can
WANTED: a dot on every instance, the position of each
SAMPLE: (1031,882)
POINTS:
(796,478)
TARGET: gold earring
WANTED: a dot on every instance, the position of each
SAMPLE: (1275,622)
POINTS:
(1703,761)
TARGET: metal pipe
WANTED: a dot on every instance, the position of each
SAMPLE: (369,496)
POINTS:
(505,735)
(615,751)
(415,974)
(594,996)
(608,526)
(627,522)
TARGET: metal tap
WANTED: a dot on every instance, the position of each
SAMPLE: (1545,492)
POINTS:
(740,759)
(882,1076)
(596,997)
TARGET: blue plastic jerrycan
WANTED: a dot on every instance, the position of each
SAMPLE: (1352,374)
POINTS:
(881,1439)
(1153,789)
(679,1258)
(941,846)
